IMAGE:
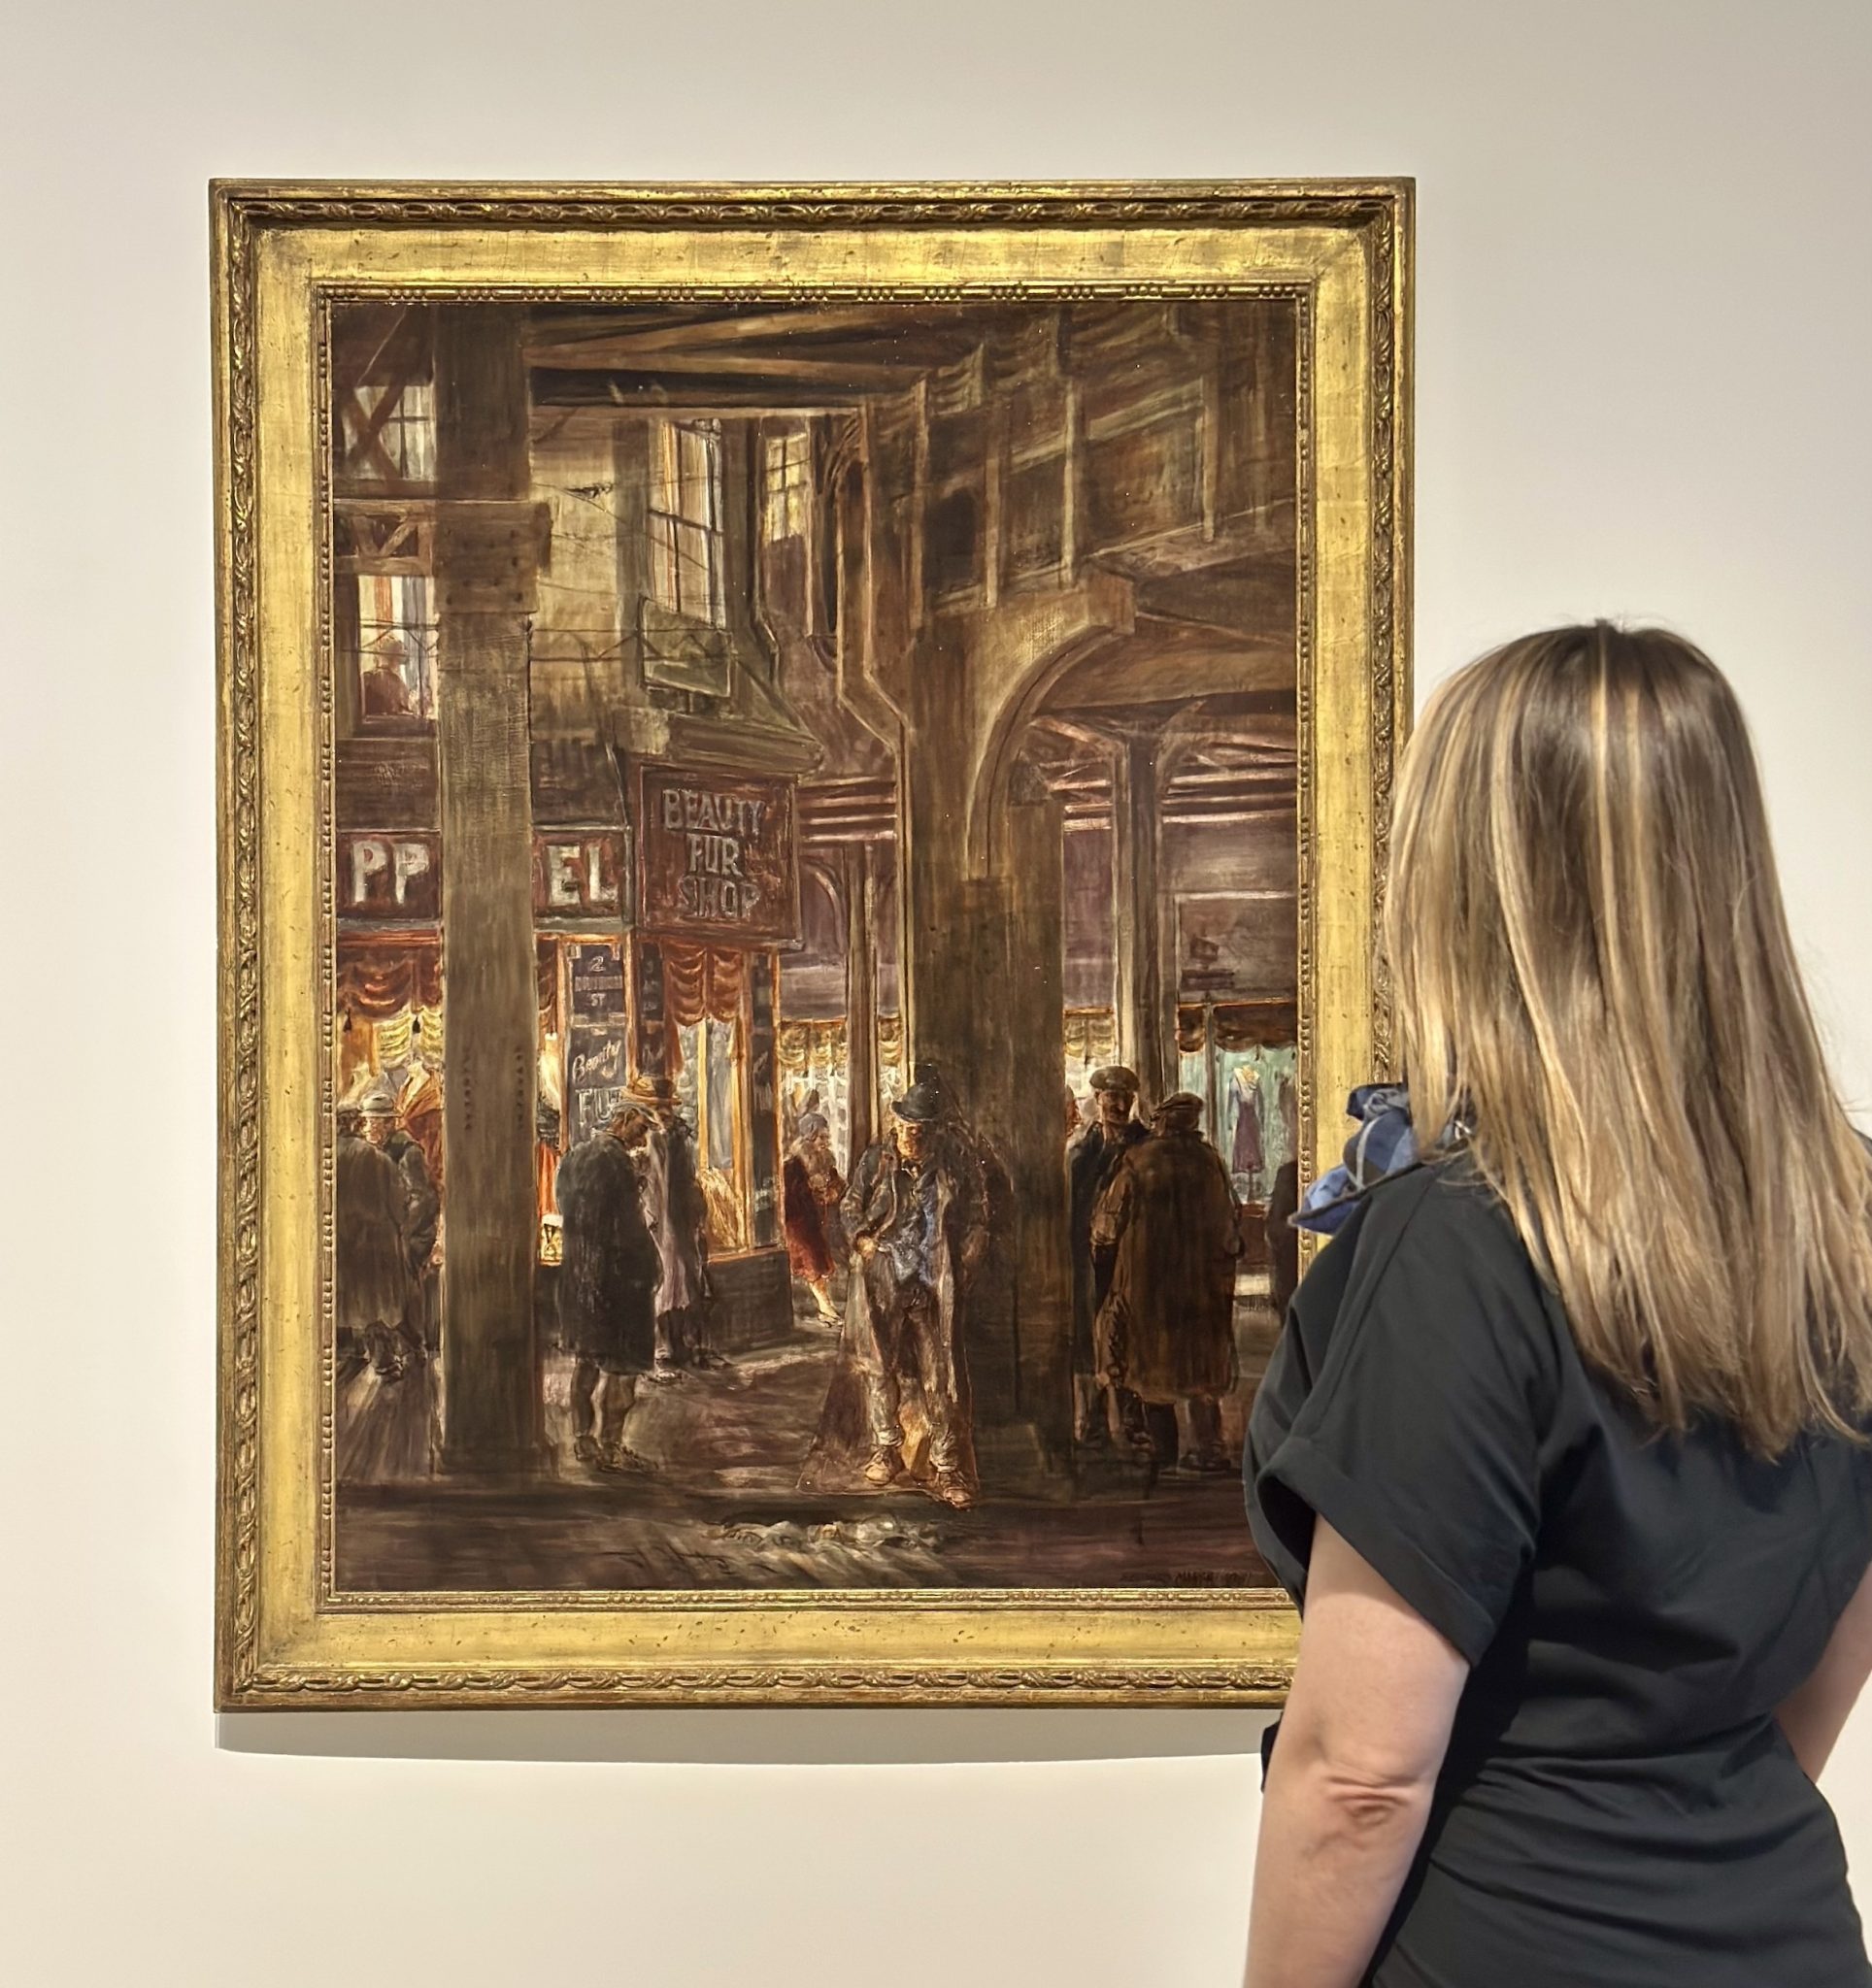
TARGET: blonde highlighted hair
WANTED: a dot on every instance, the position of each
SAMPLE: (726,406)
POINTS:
(1593,976)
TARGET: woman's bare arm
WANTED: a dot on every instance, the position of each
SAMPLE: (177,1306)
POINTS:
(1348,1788)
(1814,1716)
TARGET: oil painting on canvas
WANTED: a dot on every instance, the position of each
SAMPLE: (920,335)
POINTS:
(815,975)
(827,853)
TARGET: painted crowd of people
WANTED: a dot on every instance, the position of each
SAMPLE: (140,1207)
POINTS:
(633,1284)
(1156,1239)
(891,1258)
(1157,1235)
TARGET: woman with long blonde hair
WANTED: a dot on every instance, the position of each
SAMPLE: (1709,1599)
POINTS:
(1564,1450)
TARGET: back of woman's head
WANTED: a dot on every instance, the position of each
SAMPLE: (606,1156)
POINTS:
(1593,970)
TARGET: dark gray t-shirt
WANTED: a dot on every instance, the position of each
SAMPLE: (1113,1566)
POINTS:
(1618,1807)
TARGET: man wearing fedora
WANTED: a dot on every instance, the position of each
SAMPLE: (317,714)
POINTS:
(1092,1159)
(918,1217)
(1166,1226)
(607,1286)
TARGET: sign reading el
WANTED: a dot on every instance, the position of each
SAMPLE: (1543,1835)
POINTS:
(716,857)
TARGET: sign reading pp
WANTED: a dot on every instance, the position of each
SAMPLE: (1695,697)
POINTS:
(390,878)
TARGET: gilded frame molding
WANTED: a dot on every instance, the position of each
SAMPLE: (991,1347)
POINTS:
(283,253)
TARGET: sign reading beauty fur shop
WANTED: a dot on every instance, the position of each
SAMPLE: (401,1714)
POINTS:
(717,857)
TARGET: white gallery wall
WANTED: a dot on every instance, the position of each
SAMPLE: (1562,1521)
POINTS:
(1644,299)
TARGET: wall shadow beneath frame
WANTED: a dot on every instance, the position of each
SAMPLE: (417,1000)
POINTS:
(752,1737)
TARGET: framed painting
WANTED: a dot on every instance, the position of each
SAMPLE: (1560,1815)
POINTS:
(802,795)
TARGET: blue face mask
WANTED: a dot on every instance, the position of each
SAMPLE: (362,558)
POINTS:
(1385,1144)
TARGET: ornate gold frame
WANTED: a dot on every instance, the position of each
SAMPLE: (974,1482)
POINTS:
(282,253)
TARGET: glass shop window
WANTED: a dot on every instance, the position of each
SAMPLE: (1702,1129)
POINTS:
(396,648)
(396,444)
(685,521)
(708,1088)
(788,487)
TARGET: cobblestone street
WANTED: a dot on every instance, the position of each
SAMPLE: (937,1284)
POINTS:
(723,1509)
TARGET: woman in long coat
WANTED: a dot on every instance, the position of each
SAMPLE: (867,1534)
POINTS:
(1167,1225)
(812,1187)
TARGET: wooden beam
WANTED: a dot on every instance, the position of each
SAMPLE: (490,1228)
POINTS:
(1246,599)
(692,393)
(907,356)
(1150,673)
(831,370)
(746,327)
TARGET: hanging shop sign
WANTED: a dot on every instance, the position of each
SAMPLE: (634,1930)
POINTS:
(717,857)
(390,879)
(597,1063)
(581,874)
(597,987)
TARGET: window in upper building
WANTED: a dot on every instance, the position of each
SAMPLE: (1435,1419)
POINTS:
(396,647)
(393,441)
(685,519)
(788,485)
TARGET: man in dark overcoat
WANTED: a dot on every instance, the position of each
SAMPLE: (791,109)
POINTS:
(916,1214)
(607,1287)
(1091,1160)
(1167,1225)
(371,1248)
(421,1211)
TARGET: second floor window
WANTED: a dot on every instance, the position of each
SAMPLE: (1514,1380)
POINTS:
(787,487)
(396,648)
(685,521)
(390,434)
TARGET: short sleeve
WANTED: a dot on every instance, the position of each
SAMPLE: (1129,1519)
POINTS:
(1419,1442)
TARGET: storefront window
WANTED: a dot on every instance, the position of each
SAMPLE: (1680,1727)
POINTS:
(720,1115)
(1248,1089)
(813,1060)
(390,1034)
(1090,1042)
(707,1086)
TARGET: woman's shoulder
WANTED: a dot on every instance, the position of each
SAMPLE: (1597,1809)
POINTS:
(1444,1206)
(1438,1254)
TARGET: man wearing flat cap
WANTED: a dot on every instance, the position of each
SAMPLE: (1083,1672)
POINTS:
(899,1406)
(1166,1225)
(1091,1160)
